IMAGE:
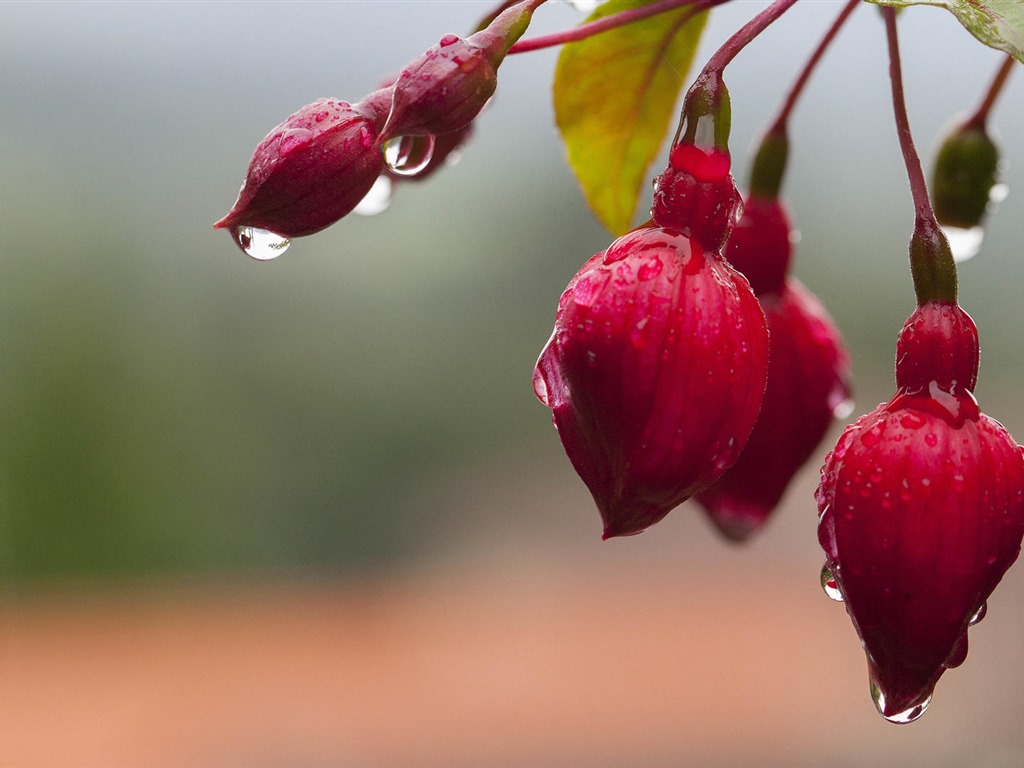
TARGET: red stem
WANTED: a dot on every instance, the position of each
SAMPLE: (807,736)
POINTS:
(592,28)
(979,117)
(931,261)
(779,126)
(721,58)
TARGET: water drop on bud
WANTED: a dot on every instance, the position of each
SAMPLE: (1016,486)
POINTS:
(377,200)
(260,244)
(408,155)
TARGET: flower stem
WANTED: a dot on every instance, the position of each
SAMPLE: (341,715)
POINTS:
(770,160)
(979,117)
(931,261)
(591,28)
(721,58)
(779,126)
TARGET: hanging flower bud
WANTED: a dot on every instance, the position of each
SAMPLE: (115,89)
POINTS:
(655,373)
(921,513)
(312,169)
(442,90)
(696,194)
(808,375)
(964,175)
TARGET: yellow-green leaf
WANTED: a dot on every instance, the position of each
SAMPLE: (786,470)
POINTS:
(614,96)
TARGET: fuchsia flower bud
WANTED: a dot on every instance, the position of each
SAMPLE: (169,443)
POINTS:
(921,513)
(312,169)
(442,90)
(696,195)
(808,373)
(654,373)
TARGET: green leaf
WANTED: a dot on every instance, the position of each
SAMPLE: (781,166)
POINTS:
(998,24)
(614,94)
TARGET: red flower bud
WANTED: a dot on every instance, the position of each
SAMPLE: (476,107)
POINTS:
(442,90)
(445,88)
(312,169)
(921,513)
(655,373)
(808,373)
(696,195)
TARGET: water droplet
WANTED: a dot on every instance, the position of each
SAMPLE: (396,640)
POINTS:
(650,269)
(540,387)
(979,614)
(906,716)
(840,402)
(260,244)
(873,436)
(293,139)
(997,194)
(408,155)
(377,200)
(448,40)
(912,420)
(965,243)
(830,585)
(586,6)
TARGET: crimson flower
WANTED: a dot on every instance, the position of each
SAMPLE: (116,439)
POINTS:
(654,373)
(921,513)
(808,374)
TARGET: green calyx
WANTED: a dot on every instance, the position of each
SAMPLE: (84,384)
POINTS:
(931,263)
(769,165)
(707,114)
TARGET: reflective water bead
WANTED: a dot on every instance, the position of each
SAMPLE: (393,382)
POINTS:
(377,200)
(964,243)
(830,586)
(260,244)
(408,155)
(906,716)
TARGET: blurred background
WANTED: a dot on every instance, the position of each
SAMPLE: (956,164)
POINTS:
(308,512)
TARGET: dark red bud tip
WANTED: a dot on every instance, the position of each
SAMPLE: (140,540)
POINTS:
(937,349)
(310,170)
(808,386)
(442,90)
(655,374)
(761,244)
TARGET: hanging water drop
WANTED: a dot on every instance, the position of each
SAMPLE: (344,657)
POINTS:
(979,614)
(586,6)
(840,402)
(408,155)
(997,194)
(260,244)
(829,584)
(908,715)
(964,243)
(377,200)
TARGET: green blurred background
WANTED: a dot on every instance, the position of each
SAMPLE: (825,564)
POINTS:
(169,405)
(363,405)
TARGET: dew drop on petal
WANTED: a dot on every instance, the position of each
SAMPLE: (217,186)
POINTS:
(829,585)
(377,200)
(978,614)
(260,244)
(964,243)
(540,387)
(408,155)
(906,716)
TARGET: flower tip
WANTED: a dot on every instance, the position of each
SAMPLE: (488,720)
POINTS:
(737,529)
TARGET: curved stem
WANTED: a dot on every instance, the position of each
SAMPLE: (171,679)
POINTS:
(779,126)
(721,58)
(614,21)
(996,87)
(931,261)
